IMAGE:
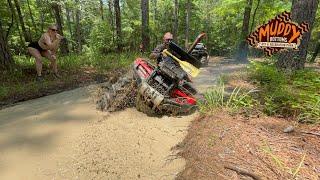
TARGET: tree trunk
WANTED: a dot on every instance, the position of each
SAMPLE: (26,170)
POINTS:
(31,16)
(315,53)
(69,25)
(187,23)
(59,21)
(22,44)
(111,18)
(145,24)
(254,16)
(78,37)
(176,20)
(26,35)
(9,28)
(41,15)
(155,10)
(208,26)
(101,9)
(6,60)
(301,10)
(154,38)
(242,54)
(118,24)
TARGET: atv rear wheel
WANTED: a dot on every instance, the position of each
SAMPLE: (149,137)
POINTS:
(143,107)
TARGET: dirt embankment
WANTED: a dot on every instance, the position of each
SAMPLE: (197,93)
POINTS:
(256,145)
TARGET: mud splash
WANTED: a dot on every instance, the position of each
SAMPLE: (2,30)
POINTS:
(111,97)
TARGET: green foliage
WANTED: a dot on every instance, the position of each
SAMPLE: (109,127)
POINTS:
(295,94)
(266,75)
(273,83)
(220,19)
(101,37)
(217,98)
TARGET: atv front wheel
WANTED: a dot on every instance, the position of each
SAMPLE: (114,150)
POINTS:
(143,107)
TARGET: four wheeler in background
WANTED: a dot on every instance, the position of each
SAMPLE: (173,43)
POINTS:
(200,53)
(199,50)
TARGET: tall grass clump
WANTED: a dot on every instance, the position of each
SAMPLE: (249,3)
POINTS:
(218,98)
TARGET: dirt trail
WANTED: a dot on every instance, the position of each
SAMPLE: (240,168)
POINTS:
(62,136)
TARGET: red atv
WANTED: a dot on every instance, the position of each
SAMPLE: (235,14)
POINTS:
(165,88)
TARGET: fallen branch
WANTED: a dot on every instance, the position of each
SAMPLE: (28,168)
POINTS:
(243,172)
(312,133)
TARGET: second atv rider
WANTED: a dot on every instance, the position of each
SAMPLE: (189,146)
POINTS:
(156,53)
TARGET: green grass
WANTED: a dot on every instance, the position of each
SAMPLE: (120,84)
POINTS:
(100,62)
(294,94)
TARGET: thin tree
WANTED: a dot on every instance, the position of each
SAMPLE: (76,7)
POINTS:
(41,15)
(242,53)
(315,53)
(176,20)
(111,17)
(6,60)
(188,9)
(145,24)
(301,10)
(13,14)
(118,24)
(101,10)
(59,21)
(78,37)
(69,23)
(26,35)
(254,15)
(31,16)
(156,22)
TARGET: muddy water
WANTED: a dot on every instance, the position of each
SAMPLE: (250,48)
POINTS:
(63,136)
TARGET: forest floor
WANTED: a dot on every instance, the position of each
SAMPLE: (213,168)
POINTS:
(63,136)
(26,88)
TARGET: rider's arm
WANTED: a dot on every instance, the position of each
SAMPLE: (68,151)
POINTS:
(156,53)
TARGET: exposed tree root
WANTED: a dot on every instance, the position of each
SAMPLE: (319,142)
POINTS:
(242,172)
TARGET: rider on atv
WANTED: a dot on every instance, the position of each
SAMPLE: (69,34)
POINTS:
(156,54)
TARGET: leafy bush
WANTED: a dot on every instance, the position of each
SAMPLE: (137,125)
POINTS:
(101,37)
